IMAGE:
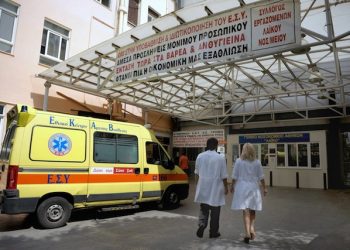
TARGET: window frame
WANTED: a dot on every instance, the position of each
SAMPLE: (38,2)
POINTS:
(179,4)
(130,22)
(61,36)
(162,154)
(309,162)
(101,2)
(115,145)
(259,150)
(263,160)
(14,30)
(153,14)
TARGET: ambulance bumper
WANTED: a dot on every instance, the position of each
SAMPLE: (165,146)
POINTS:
(10,203)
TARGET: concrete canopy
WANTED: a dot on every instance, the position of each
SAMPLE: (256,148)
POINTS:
(310,80)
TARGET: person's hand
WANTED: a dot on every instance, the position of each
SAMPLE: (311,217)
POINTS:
(265,191)
(226,190)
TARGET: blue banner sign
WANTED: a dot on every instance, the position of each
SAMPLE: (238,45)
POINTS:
(275,138)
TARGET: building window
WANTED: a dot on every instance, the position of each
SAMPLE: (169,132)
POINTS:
(264,156)
(281,155)
(179,4)
(292,155)
(54,44)
(152,14)
(133,13)
(8,20)
(315,155)
(302,155)
(299,155)
(104,2)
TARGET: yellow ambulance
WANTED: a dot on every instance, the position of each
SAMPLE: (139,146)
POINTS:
(52,163)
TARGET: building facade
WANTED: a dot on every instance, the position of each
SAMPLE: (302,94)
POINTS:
(35,35)
(295,152)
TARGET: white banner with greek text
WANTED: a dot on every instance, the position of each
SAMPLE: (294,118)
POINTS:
(258,29)
(197,138)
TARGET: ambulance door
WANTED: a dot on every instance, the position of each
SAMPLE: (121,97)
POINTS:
(5,154)
(115,172)
(155,171)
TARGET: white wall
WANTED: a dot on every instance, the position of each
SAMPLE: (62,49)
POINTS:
(190,2)
(89,23)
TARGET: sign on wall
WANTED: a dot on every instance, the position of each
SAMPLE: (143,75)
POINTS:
(197,138)
(275,138)
(257,29)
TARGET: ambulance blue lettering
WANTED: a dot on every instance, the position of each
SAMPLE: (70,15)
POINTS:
(71,123)
(66,177)
(49,179)
(58,178)
(58,181)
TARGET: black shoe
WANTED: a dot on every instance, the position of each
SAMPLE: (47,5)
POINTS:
(216,235)
(246,240)
(252,236)
(200,231)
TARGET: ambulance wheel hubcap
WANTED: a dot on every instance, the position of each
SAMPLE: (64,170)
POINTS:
(54,212)
(173,198)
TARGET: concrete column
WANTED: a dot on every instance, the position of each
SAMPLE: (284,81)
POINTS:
(146,117)
(110,108)
(122,14)
(46,96)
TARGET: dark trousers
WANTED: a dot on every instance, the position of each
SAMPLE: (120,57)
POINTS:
(214,213)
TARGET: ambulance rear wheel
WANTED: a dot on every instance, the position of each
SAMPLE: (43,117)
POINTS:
(54,212)
(171,199)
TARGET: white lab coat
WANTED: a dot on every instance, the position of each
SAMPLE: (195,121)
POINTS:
(247,192)
(211,169)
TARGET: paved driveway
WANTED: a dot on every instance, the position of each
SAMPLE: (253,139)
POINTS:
(291,219)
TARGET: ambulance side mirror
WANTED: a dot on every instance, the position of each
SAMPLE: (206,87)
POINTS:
(169,164)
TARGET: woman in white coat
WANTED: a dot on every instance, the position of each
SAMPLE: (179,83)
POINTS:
(247,173)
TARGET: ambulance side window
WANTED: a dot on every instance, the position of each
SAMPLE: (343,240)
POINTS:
(155,154)
(115,148)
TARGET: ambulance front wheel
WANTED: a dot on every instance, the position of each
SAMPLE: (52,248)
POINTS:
(53,212)
(171,199)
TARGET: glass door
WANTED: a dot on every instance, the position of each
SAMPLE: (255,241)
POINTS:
(346,158)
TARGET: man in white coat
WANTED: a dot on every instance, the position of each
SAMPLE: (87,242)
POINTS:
(211,180)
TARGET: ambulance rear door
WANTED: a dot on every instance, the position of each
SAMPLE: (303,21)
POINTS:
(7,145)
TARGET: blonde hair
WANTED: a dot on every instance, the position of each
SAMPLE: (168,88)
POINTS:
(248,152)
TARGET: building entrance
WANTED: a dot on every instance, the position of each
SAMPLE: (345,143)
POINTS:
(294,159)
